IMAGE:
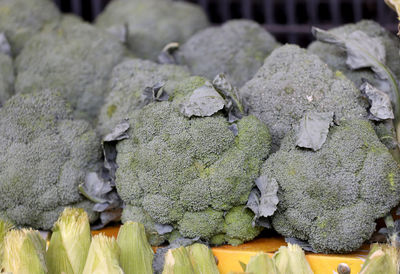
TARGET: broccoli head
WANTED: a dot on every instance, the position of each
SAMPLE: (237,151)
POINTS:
(336,57)
(292,81)
(331,197)
(6,78)
(45,155)
(21,19)
(73,57)
(126,86)
(148,25)
(237,48)
(192,174)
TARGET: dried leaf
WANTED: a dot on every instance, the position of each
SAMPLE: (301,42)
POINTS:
(155,93)
(204,101)
(166,56)
(381,106)
(314,129)
(119,133)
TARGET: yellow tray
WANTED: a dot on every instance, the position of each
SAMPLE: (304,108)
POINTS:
(229,256)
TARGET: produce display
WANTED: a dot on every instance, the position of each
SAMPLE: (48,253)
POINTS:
(237,48)
(146,26)
(191,136)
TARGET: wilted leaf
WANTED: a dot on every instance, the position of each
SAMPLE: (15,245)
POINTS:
(233,101)
(155,93)
(166,56)
(314,129)
(94,188)
(381,106)
(204,101)
(263,199)
(119,133)
(163,228)
(5,47)
(234,129)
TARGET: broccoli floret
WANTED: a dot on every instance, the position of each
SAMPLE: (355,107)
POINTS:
(149,25)
(6,78)
(45,155)
(72,57)
(21,19)
(126,86)
(237,48)
(189,172)
(293,81)
(331,197)
(336,57)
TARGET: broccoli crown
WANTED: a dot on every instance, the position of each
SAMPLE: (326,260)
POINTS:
(126,86)
(21,19)
(6,78)
(189,172)
(336,57)
(151,24)
(332,197)
(73,57)
(44,155)
(237,48)
(291,82)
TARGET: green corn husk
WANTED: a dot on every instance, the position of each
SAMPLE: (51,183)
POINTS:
(4,228)
(69,243)
(103,257)
(24,252)
(291,260)
(136,253)
(177,261)
(382,259)
(261,263)
(202,259)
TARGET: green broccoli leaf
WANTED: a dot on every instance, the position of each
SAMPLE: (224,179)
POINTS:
(313,129)
(381,107)
(204,101)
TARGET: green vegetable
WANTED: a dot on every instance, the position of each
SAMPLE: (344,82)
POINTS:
(146,26)
(331,197)
(69,243)
(103,257)
(177,261)
(45,155)
(24,252)
(261,264)
(202,259)
(196,171)
(382,259)
(291,260)
(136,252)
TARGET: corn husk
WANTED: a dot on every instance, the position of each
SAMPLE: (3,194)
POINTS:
(69,243)
(395,5)
(382,259)
(261,263)
(24,252)
(136,252)
(4,228)
(291,260)
(202,258)
(103,257)
(177,261)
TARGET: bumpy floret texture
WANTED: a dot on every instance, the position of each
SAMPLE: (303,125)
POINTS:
(293,81)
(45,155)
(73,57)
(336,57)
(189,172)
(6,78)
(151,24)
(126,86)
(21,19)
(332,197)
(237,48)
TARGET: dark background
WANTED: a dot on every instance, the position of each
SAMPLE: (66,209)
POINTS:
(287,20)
